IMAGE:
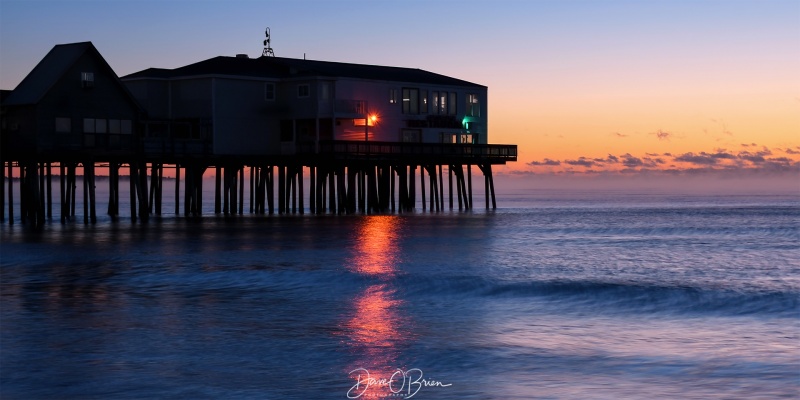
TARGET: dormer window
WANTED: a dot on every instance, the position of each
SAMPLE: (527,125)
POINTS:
(87,79)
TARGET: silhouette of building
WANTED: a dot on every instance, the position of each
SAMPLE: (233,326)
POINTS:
(71,105)
(272,105)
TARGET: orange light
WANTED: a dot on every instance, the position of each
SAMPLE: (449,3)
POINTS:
(373,119)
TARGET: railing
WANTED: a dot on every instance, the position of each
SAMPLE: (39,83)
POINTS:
(175,147)
(351,107)
(370,149)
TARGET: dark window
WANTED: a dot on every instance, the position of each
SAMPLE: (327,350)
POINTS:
(87,79)
(303,90)
(451,104)
(410,101)
(269,91)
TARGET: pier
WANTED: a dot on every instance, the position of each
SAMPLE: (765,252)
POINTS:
(346,177)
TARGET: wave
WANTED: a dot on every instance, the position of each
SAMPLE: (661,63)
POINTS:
(611,297)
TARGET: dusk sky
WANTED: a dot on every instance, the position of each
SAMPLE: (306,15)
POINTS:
(597,86)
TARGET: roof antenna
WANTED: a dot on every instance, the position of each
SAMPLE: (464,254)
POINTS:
(267,48)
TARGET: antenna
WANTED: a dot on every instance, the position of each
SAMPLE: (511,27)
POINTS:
(267,48)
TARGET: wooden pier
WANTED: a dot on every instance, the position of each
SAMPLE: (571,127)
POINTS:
(346,177)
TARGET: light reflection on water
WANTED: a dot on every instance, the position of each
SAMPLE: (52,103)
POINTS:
(378,327)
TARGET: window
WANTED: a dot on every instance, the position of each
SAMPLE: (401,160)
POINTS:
(88,125)
(325,91)
(303,90)
(63,125)
(114,126)
(457,138)
(269,91)
(87,79)
(410,101)
(126,127)
(423,100)
(435,102)
(410,136)
(442,103)
(392,96)
(473,106)
(451,104)
(100,126)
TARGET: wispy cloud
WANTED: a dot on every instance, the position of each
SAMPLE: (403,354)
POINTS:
(619,135)
(662,135)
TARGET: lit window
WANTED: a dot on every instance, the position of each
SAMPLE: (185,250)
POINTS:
(303,90)
(423,100)
(63,125)
(269,91)
(442,103)
(410,101)
(435,102)
(87,79)
(392,96)
(473,106)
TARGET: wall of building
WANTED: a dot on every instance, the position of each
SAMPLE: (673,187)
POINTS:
(245,122)
(152,95)
(385,101)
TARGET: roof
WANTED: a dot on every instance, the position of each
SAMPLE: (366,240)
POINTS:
(281,68)
(52,67)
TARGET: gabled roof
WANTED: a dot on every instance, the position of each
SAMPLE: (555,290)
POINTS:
(52,67)
(283,68)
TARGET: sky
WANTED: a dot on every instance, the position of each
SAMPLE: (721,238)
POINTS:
(584,88)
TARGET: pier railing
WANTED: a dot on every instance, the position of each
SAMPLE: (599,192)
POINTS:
(493,153)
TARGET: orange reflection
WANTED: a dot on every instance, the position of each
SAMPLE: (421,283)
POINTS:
(375,249)
(376,326)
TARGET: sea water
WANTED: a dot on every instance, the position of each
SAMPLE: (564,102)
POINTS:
(552,296)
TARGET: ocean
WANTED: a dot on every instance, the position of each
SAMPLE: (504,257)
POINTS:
(554,295)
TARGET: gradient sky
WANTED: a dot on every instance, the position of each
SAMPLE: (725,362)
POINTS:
(581,86)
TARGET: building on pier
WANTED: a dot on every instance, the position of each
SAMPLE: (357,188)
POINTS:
(71,104)
(274,106)
(359,133)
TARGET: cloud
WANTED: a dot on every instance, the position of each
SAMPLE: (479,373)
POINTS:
(631,161)
(619,135)
(750,160)
(699,159)
(546,161)
(755,157)
(662,135)
(581,162)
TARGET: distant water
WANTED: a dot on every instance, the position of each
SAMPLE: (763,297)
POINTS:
(553,296)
